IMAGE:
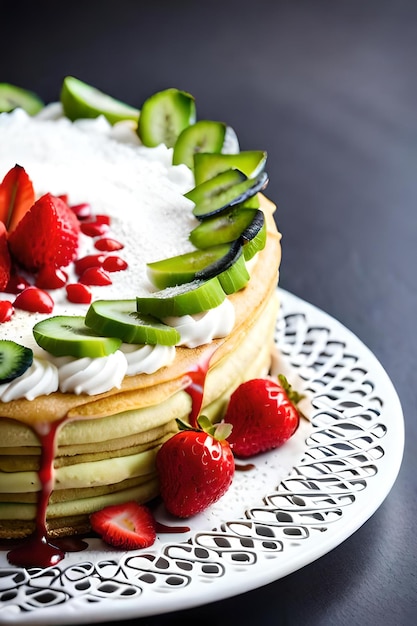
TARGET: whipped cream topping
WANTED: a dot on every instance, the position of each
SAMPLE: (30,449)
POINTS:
(146,359)
(39,379)
(91,376)
(142,192)
(201,328)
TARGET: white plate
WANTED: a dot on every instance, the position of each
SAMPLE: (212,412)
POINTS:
(299,502)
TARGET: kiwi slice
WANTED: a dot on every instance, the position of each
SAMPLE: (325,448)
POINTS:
(164,115)
(12,97)
(204,135)
(254,236)
(196,265)
(119,318)
(80,100)
(66,335)
(15,359)
(223,227)
(207,165)
(223,191)
(245,225)
(236,276)
(187,299)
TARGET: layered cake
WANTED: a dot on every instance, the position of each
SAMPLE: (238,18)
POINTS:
(151,307)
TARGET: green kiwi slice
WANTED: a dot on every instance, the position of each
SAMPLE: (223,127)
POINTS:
(224,227)
(204,135)
(80,100)
(67,335)
(236,276)
(119,318)
(223,191)
(12,97)
(15,359)
(196,265)
(207,165)
(187,299)
(254,236)
(164,115)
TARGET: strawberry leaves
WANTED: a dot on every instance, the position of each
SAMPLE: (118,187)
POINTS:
(16,197)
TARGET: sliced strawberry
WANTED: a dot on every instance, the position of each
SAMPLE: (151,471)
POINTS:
(264,415)
(47,235)
(128,526)
(5,263)
(16,197)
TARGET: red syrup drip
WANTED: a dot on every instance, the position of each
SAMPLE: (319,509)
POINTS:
(165,528)
(246,467)
(37,551)
(195,388)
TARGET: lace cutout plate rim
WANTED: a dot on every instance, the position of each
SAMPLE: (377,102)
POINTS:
(299,503)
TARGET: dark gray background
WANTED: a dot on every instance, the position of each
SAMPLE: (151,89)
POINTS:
(329,89)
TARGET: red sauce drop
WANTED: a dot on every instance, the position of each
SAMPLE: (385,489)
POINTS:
(247,467)
(164,528)
(37,551)
(71,544)
(195,388)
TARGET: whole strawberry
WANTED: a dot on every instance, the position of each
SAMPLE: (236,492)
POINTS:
(195,467)
(264,415)
(47,235)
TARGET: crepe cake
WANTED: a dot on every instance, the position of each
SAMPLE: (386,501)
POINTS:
(68,451)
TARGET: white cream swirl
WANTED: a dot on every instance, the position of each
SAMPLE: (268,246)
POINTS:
(196,330)
(91,376)
(146,359)
(41,378)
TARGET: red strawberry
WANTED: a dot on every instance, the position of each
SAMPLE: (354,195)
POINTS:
(195,467)
(263,414)
(128,526)
(5,264)
(47,235)
(16,197)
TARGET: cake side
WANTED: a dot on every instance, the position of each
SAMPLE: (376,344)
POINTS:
(103,444)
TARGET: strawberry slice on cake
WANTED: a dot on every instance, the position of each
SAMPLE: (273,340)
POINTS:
(47,235)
